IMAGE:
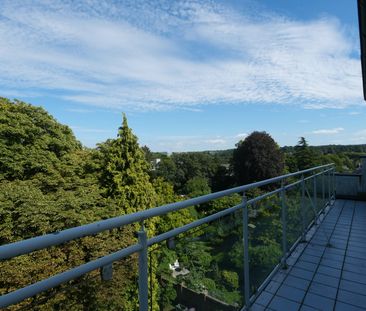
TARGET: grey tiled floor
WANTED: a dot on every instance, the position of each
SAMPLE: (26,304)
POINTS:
(321,277)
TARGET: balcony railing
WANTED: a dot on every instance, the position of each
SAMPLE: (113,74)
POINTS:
(315,189)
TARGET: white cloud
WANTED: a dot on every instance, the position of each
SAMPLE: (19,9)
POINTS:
(177,143)
(241,135)
(77,110)
(354,113)
(217,141)
(332,131)
(143,55)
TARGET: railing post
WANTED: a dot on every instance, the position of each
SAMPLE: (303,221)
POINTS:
(315,198)
(246,253)
(333,183)
(143,270)
(302,206)
(323,191)
(284,225)
(329,192)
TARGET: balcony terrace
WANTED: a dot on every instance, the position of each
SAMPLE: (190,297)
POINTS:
(328,272)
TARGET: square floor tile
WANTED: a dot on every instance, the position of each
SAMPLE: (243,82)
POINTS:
(353,287)
(291,293)
(341,306)
(336,264)
(272,287)
(354,277)
(351,298)
(323,290)
(281,304)
(297,282)
(264,298)
(319,302)
(326,280)
(300,273)
(306,265)
(329,271)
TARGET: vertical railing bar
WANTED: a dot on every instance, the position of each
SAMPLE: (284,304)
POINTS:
(246,253)
(302,207)
(143,270)
(284,225)
(334,184)
(151,280)
(323,191)
(315,214)
(315,199)
(329,193)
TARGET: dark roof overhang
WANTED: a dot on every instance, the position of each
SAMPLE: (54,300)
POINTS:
(362,24)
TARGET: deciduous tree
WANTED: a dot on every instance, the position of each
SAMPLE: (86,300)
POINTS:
(256,158)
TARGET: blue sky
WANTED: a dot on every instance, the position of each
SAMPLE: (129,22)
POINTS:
(190,75)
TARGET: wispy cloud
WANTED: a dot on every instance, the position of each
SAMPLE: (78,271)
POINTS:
(332,131)
(160,55)
(241,135)
(79,110)
(216,141)
(177,143)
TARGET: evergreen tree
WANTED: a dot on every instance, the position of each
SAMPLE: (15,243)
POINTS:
(304,155)
(125,171)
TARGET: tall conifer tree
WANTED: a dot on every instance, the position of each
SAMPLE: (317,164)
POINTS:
(126,177)
(304,155)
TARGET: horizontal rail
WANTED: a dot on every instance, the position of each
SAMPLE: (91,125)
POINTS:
(172,233)
(289,186)
(36,288)
(52,239)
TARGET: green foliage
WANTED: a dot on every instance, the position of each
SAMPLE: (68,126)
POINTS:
(256,158)
(231,278)
(265,256)
(33,144)
(49,183)
(27,212)
(197,186)
(304,155)
(225,202)
(165,194)
(179,168)
(125,171)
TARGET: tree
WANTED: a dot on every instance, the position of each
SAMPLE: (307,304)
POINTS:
(304,155)
(125,172)
(48,183)
(148,154)
(196,187)
(33,144)
(179,168)
(167,170)
(222,179)
(256,158)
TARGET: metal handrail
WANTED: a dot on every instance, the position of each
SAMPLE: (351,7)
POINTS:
(27,246)
(44,241)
